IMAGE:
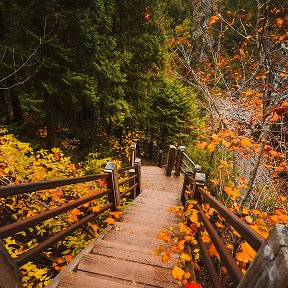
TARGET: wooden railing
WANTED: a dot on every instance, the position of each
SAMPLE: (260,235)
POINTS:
(9,268)
(270,267)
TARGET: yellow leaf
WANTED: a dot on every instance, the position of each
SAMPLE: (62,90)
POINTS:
(205,238)
(178,273)
(194,218)
(248,219)
(211,147)
(185,257)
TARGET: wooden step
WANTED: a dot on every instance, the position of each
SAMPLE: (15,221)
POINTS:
(133,239)
(86,280)
(123,251)
(127,270)
(140,213)
(147,222)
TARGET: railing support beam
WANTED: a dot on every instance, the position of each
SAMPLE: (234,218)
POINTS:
(180,151)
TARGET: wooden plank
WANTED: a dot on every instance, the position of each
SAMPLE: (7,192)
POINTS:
(84,280)
(155,203)
(270,267)
(124,247)
(158,217)
(138,240)
(131,228)
(133,256)
(9,273)
(126,270)
(144,222)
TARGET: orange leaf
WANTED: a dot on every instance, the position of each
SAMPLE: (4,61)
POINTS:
(110,221)
(202,145)
(214,19)
(166,257)
(213,251)
(163,236)
(245,142)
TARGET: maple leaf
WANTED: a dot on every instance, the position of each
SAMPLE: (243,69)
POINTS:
(233,192)
(202,145)
(247,254)
(73,215)
(163,236)
(68,258)
(178,273)
(211,147)
(116,214)
(245,142)
(192,285)
(110,221)
(212,251)
(185,257)
(214,19)
(166,256)
(205,238)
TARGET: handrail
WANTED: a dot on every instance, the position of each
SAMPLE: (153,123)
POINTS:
(194,182)
(189,159)
(254,239)
(34,252)
(11,190)
(20,225)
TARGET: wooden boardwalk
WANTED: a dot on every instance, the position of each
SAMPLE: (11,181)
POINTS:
(122,256)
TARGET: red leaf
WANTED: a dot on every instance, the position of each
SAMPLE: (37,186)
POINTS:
(192,285)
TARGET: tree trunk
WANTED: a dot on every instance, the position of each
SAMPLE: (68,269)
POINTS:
(16,107)
(50,119)
(4,110)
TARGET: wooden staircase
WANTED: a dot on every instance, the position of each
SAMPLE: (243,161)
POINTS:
(123,255)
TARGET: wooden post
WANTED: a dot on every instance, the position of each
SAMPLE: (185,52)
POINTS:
(160,158)
(132,172)
(270,267)
(180,150)
(10,276)
(112,183)
(170,160)
(132,154)
(138,173)
(200,179)
(188,173)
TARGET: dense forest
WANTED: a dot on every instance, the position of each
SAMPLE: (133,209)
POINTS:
(91,75)
(80,81)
